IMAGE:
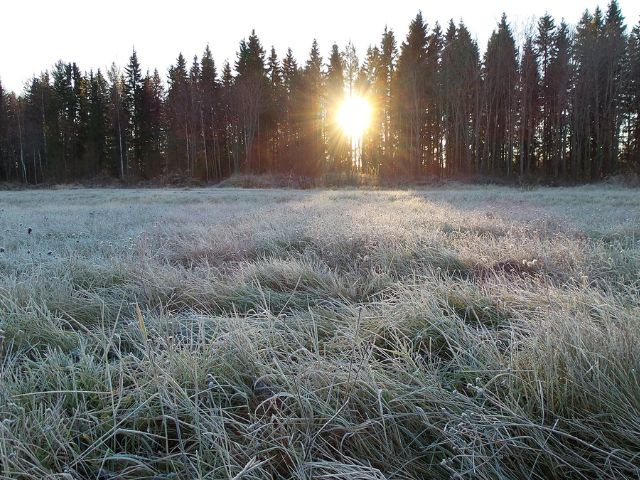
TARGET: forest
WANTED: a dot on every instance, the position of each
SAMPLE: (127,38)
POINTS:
(560,105)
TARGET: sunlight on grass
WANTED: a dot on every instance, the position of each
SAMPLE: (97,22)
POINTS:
(477,332)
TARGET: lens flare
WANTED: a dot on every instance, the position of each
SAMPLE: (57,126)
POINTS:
(354,116)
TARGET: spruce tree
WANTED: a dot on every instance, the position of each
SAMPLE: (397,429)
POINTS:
(117,116)
(410,98)
(311,112)
(291,90)
(230,138)
(152,126)
(251,88)
(273,113)
(632,101)
(372,87)
(97,131)
(4,154)
(35,100)
(529,107)
(614,43)
(132,98)
(586,144)
(177,107)
(194,122)
(433,103)
(566,107)
(337,146)
(545,51)
(460,84)
(65,107)
(82,166)
(386,72)
(208,87)
(501,76)
(558,107)
(16,166)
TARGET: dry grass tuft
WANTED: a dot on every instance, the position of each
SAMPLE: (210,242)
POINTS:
(486,333)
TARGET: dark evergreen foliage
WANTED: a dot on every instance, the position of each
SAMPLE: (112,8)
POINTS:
(562,106)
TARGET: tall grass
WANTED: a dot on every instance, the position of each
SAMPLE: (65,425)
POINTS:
(484,333)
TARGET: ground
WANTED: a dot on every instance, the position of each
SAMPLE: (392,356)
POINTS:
(467,332)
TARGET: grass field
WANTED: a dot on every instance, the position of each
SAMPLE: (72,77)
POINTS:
(471,332)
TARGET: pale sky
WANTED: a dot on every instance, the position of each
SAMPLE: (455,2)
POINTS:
(36,33)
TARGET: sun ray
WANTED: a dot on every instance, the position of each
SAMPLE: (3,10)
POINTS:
(354,116)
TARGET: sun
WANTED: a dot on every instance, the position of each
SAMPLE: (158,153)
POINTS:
(354,115)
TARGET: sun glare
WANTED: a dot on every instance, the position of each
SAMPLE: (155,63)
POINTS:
(354,116)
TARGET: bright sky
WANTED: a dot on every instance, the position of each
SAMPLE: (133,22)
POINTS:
(37,33)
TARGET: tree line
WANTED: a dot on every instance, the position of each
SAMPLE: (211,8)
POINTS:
(562,104)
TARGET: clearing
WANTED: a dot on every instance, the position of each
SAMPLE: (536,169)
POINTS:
(470,332)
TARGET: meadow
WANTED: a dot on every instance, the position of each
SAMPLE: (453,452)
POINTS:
(453,332)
